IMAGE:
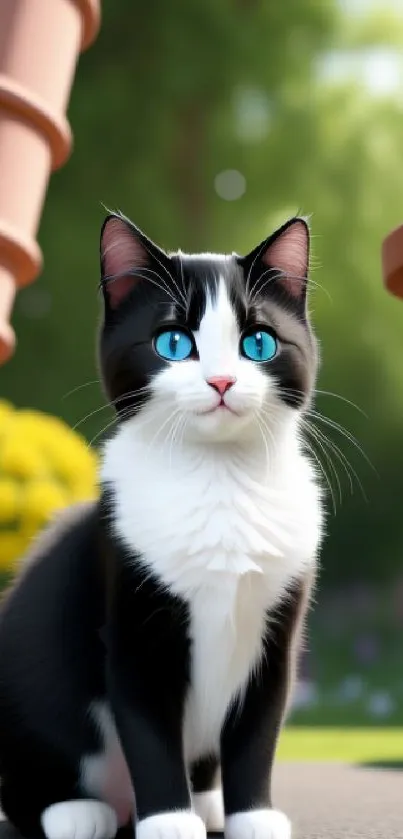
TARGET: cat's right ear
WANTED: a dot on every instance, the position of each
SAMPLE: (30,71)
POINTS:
(126,255)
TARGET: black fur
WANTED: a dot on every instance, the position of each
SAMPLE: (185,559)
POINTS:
(249,738)
(51,668)
(86,622)
(63,643)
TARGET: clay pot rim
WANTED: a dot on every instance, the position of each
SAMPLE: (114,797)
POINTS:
(20,250)
(392,261)
(18,101)
(91,14)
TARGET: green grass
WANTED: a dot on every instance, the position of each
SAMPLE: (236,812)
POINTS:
(352,745)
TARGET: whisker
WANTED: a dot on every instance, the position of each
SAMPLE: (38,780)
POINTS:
(174,433)
(183,428)
(258,287)
(102,431)
(265,443)
(111,404)
(182,274)
(311,429)
(165,287)
(260,251)
(310,282)
(79,387)
(167,420)
(126,414)
(264,417)
(136,272)
(171,277)
(319,463)
(319,392)
(345,433)
(342,399)
(182,299)
(171,437)
(91,414)
(130,393)
(343,460)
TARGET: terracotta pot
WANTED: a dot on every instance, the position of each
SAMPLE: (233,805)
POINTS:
(40,41)
(392,261)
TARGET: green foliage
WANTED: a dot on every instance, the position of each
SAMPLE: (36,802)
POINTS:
(163,103)
(368,746)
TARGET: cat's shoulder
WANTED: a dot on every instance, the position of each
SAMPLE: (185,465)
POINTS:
(68,544)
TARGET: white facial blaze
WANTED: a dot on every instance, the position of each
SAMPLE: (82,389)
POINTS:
(217,339)
(183,389)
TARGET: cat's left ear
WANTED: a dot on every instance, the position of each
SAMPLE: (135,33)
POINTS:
(286,252)
(127,258)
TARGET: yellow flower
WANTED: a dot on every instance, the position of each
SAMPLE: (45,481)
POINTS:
(9,500)
(40,499)
(12,546)
(44,466)
(6,409)
(19,458)
(74,461)
(84,491)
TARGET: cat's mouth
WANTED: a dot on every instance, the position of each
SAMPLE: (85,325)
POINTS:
(221,408)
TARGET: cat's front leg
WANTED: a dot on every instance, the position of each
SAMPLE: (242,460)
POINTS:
(249,738)
(147,682)
(149,728)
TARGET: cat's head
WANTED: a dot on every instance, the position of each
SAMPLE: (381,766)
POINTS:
(217,344)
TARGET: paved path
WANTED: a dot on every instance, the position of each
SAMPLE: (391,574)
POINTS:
(332,802)
(340,802)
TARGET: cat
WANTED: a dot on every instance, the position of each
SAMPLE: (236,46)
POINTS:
(150,642)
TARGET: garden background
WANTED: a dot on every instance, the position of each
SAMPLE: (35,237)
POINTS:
(208,126)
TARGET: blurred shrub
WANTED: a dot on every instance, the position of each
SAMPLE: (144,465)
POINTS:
(44,466)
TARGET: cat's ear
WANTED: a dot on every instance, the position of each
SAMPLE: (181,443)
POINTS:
(126,255)
(286,252)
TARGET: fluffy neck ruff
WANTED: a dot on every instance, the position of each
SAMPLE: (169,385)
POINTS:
(190,509)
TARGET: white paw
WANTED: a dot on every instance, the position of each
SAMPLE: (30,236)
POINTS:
(258,824)
(210,807)
(79,820)
(179,824)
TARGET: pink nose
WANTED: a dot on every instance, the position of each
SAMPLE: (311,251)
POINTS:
(221,383)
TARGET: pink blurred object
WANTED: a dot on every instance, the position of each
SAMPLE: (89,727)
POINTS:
(40,41)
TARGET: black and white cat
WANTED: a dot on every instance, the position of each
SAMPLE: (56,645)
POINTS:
(151,638)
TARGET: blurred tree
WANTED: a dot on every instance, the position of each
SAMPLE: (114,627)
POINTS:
(178,114)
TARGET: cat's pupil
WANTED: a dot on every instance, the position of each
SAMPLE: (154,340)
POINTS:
(259,344)
(174,339)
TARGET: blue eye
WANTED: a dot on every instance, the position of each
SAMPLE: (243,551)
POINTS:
(259,346)
(174,345)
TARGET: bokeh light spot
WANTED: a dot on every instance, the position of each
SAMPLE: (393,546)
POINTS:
(230,184)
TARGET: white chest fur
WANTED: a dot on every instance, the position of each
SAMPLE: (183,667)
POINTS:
(227,535)
(227,621)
